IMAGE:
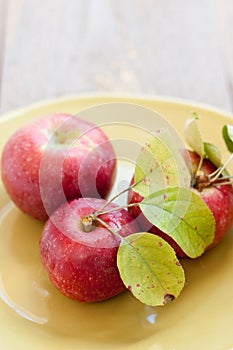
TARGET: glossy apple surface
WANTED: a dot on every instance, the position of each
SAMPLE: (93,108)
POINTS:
(56,158)
(82,265)
(219,199)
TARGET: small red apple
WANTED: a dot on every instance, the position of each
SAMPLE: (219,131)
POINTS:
(56,158)
(217,196)
(81,262)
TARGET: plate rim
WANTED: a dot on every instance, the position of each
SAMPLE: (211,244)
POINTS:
(111,96)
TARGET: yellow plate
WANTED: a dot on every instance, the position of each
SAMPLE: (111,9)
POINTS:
(35,316)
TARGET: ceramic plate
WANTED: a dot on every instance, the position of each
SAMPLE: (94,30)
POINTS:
(35,316)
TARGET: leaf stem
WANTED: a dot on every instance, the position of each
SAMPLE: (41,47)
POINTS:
(222,183)
(199,165)
(214,172)
(115,233)
(100,211)
(220,170)
(117,208)
(195,174)
(226,177)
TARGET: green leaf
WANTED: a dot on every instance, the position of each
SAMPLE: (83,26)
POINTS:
(213,153)
(193,135)
(227,133)
(150,269)
(184,216)
(159,165)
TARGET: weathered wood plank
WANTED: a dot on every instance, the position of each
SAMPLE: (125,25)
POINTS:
(3,15)
(165,47)
(44,46)
(224,15)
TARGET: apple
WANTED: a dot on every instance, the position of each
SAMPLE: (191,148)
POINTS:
(79,252)
(217,196)
(56,158)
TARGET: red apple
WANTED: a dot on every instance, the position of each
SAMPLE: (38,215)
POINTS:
(219,199)
(56,158)
(82,265)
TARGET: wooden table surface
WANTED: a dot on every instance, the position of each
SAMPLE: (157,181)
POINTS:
(53,48)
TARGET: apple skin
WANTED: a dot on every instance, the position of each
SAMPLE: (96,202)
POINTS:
(218,198)
(82,265)
(56,158)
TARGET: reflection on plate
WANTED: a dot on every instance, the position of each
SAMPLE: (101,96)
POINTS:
(34,315)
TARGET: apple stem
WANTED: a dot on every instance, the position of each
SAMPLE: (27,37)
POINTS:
(87,222)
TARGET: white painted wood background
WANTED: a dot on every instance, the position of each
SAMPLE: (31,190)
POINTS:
(179,48)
